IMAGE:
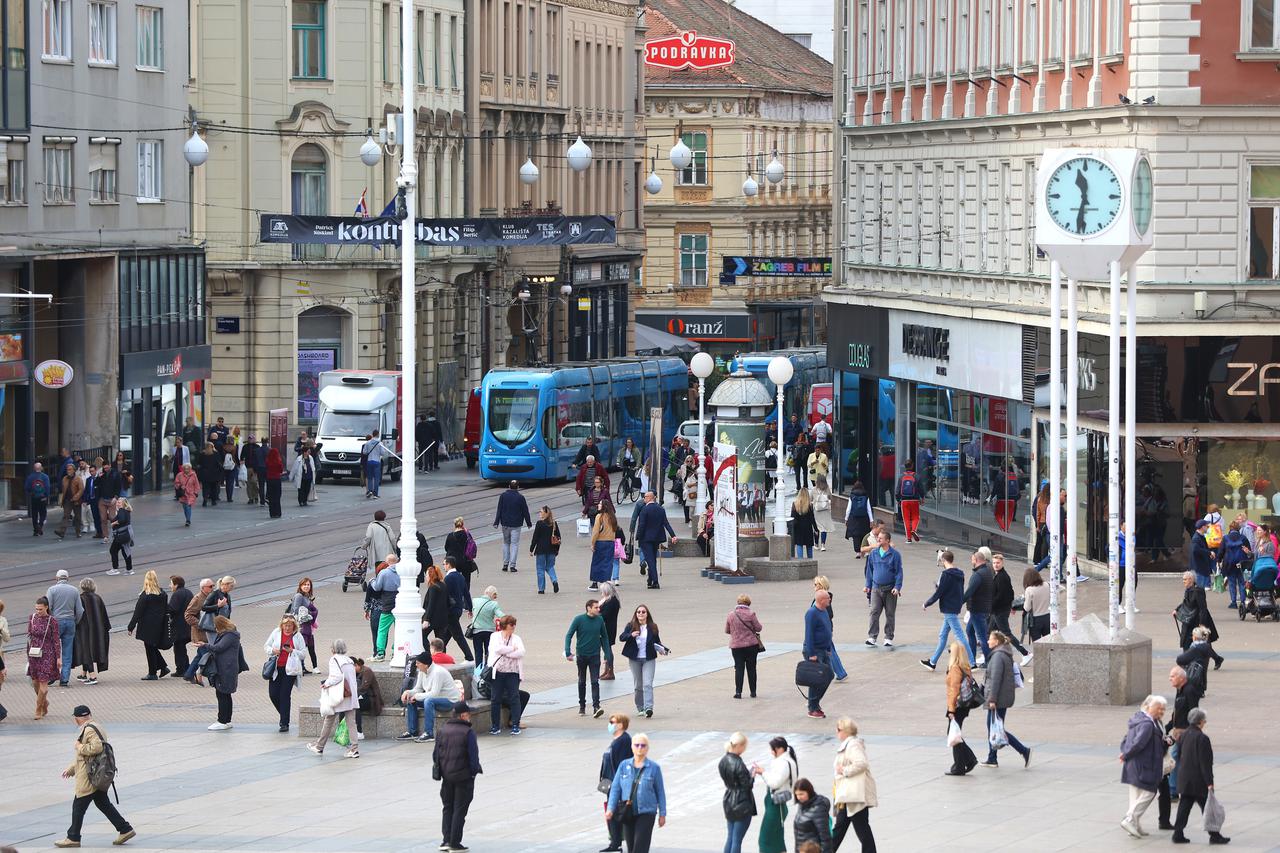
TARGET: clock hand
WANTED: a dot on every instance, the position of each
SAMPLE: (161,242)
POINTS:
(1083,184)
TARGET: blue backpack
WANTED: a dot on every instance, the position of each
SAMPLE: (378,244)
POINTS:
(907,487)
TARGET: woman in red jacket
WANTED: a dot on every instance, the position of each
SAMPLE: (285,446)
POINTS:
(275,472)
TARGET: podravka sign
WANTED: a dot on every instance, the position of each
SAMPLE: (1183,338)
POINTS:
(689,50)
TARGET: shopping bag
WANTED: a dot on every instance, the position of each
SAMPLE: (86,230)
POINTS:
(995,733)
(340,734)
(584,527)
(954,735)
(1214,814)
(1219,583)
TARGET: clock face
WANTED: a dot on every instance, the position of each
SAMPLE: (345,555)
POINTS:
(1083,196)
(1142,197)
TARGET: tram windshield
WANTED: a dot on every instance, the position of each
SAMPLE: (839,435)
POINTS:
(513,415)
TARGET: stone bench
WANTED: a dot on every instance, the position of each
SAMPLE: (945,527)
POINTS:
(768,571)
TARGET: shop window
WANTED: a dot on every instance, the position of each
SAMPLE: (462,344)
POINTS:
(56,25)
(696,172)
(150,170)
(150,38)
(1264,221)
(693,260)
(309,39)
(321,331)
(13,173)
(1260,24)
(102,33)
(103,168)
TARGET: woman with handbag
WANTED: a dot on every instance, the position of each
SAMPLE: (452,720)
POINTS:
(43,653)
(435,607)
(227,658)
(544,545)
(958,671)
(854,789)
(604,538)
(507,668)
(286,650)
(338,700)
(485,613)
(743,627)
(739,802)
(187,486)
(151,622)
(122,538)
(779,777)
(637,797)
(641,646)
(306,613)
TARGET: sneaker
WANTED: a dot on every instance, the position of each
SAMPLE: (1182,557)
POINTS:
(123,837)
(822,547)
(352,753)
(359,735)
(988,764)
(981,661)
(594,587)
(219,727)
(284,728)
(66,842)
(1081,578)
(515,730)
(425,738)
(648,712)
(582,710)
(495,731)
(514,570)
(505,567)
(817,715)
(311,747)
(91,681)
(869,641)
(1026,659)
(378,658)
(406,736)
(444,845)
(888,644)
(1127,826)
(598,712)
(82,677)
(128,572)
(928,664)
(113,573)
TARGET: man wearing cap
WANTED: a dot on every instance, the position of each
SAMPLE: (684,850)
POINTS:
(433,690)
(89,743)
(457,755)
(513,511)
(65,606)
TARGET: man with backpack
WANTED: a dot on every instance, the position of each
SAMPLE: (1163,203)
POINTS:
(94,771)
(908,495)
(37,489)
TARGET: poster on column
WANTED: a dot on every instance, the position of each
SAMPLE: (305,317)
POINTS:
(751,485)
(724,500)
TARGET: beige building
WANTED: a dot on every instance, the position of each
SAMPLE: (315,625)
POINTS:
(540,75)
(775,97)
(287,92)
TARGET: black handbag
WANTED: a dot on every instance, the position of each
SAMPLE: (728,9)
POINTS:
(269,668)
(813,673)
(627,810)
(629,553)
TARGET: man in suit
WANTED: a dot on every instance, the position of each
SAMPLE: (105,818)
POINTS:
(652,529)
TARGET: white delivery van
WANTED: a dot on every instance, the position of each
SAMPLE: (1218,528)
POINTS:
(353,403)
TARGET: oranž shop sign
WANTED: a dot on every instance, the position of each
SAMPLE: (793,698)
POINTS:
(689,50)
(385,231)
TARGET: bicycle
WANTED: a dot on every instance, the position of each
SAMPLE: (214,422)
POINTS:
(628,487)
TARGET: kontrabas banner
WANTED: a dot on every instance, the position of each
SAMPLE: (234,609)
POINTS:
(385,231)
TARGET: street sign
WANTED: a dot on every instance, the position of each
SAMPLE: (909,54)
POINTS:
(776,267)
(584,303)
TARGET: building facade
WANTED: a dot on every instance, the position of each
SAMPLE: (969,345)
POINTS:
(774,100)
(941,294)
(540,75)
(285,94)
(95,212)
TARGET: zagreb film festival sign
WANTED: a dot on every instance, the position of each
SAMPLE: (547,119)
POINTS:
(689,50)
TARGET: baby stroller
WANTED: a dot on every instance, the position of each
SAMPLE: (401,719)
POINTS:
(1260,591)
(357,566)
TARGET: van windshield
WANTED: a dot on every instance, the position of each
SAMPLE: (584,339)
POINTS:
(513,415)
(347,424)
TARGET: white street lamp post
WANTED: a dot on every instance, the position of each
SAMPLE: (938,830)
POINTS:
(702,365)
(780,373)
(408,608)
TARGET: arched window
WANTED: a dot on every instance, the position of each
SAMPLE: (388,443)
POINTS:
(321,331)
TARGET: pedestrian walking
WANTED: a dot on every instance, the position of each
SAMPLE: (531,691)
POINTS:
(435,607)
(385,588)
(229,462)
(307,613)
(5,637)
(150,624)
(274,474)
(461,545)
(1142,754)
(1186,698)
(544,545)
(37,488)
(800,460)
(883,574)
(688,493)
(457,759)
(837,665)
(818,646)
(192,616)
(512,512)
(812,825)
(455,583)
(637,797)
(90,743)
(959,671)
(1195,660)
(610,605)
(779,776)
(70,497)
(605,536)
(595,498)
(854,792)
(65,606)
(589,641)
(379,540)
(228,659)
(804,526)
(908,497)
(652,529)
(978,596)
(338,700)
(858,517)
(1003,678)
(619,752)
(739,801)
(1195,780)
(433,690)
(186,485)
(372,452)
(303,475)
(1193,612)
(43,654)
(949,594)
(1002,604)
(180,599)
(822,509)
(743,627)
(92,499)
(209,469)
(1035,603)
(286,649)
(506,651)
(254,458)
(641,645)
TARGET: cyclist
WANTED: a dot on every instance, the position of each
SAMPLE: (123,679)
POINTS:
(628,460)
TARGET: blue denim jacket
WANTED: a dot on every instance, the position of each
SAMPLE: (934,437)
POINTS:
(650,796)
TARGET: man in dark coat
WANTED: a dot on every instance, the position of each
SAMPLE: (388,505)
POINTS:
(93,634)
(652,529)
(1195,777)
(179,598)
(1193,611)
(459,602)
(513,511)
(457,755)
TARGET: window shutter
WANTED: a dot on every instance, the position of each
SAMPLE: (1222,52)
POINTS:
(1029,353)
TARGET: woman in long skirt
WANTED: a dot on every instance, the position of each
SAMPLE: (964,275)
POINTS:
(604,534)
(780,775)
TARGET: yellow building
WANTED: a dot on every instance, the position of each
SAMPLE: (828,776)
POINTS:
(774,99)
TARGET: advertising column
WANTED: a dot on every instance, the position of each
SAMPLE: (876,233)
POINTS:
(725,506)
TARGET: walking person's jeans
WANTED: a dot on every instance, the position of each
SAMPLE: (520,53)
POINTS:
(1204,581)
(882,598)
(510,545)
(978,626)
(186,511)
(588,664)
(427,708)
(805,551)
(1235,587)
(642,678)
(229,481)
(102,800)
(67,634)
(737,830)
(950,625)
(1013,741)
(546,565)
(373,477)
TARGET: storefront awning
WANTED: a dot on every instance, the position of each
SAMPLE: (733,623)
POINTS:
(651,341)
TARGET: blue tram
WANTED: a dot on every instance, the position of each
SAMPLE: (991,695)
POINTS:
(809,363)
(536,418)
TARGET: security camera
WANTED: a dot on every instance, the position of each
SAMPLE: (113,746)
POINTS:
(404,182)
